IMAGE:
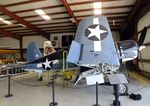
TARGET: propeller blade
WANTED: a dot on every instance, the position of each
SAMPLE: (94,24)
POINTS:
(142,37)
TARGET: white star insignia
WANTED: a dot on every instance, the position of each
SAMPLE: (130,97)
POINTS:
(47,64)
(96,32)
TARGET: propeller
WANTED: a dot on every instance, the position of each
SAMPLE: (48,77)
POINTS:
(142,36)
(140,43)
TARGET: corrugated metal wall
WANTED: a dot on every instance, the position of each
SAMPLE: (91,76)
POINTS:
(145,21)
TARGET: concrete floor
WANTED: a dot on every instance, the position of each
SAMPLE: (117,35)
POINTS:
(69,96)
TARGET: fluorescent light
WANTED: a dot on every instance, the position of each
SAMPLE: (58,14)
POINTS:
(40,12)
(97,11)
(22,25)
(97,5)
(43,14)
(97,8)
(46,17)
(1,19)
(7,22)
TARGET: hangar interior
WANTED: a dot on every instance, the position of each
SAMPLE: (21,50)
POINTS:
(25,21)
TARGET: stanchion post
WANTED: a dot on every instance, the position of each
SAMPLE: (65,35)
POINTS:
(53,103)
(9,94)
(96,95)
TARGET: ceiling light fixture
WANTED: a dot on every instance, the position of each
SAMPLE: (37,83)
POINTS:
(40,12)
(5,21)
(97,8)
(1,19)
(97,11)
(22,25)
(43,14)
(46,17)
(97,5)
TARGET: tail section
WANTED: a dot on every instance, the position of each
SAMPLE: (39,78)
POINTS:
(48,48)
(33,52)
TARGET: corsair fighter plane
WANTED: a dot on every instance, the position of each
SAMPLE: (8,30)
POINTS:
(94,47)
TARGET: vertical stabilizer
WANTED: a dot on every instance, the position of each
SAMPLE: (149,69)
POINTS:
(33,52)
(97,46)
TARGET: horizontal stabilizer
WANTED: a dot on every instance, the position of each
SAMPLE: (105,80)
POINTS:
(54,56)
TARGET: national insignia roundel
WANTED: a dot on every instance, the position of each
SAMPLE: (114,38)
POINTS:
(96,32)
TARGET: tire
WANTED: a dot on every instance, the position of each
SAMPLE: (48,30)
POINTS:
(123,89)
